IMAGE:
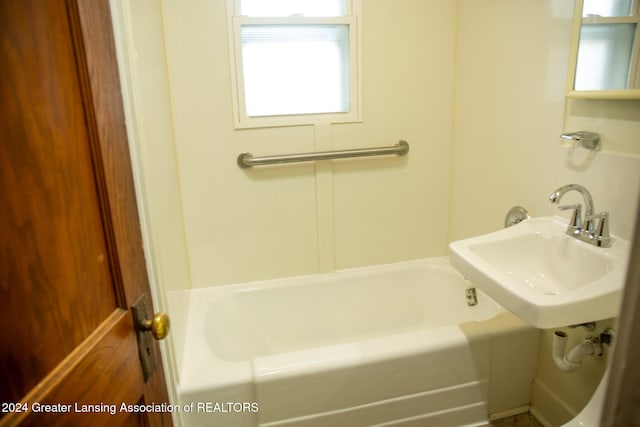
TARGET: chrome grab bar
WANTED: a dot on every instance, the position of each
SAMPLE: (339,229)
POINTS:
(246,160)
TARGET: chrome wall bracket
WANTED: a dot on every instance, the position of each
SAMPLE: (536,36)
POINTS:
(584,139)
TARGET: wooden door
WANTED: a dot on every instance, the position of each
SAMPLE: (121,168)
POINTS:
(71,255)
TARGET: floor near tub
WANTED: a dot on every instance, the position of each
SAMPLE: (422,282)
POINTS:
(521,420)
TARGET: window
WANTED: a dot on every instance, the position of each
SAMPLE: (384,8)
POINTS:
(607,54)
(295,62)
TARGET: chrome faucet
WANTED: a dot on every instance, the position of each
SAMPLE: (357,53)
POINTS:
(575,225)
(581,227)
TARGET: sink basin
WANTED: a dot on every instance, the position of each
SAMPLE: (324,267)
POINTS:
(544,276)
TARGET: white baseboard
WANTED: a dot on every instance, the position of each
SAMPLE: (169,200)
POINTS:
(509,412)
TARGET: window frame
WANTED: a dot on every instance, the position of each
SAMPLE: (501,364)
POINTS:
(242,120)
(633,77)
(634,71)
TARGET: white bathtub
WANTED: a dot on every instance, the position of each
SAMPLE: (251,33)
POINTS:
(385,345)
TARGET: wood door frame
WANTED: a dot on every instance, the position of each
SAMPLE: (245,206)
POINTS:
(93,31)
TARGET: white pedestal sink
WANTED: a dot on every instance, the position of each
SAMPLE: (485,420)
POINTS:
(544,276)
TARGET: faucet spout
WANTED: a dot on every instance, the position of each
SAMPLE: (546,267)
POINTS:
(587,223)
(586,196)
(583,229)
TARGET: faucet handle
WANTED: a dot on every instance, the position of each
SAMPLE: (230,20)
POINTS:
(575,224)
(601,235)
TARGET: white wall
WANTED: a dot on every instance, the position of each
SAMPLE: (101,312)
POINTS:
(510,83)
(245,225)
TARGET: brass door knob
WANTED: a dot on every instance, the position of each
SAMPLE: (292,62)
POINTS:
(159,325)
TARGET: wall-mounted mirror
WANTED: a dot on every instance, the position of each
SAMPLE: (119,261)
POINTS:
(605,56)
